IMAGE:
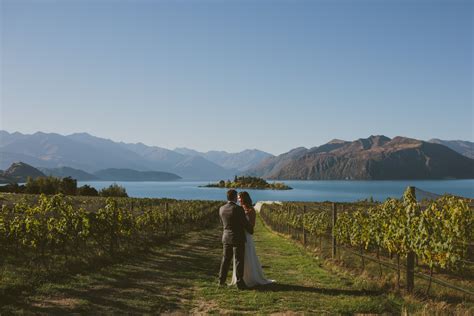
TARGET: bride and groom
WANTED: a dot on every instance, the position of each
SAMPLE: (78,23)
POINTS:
(239,223)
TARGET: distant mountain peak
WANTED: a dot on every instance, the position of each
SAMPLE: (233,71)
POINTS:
(18,165)
(297,149)
(336,141)
(85,134)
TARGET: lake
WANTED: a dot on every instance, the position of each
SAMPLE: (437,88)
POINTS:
(338,191)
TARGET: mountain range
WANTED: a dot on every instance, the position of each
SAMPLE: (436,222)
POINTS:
(373,158)
(90,153)
(82,155)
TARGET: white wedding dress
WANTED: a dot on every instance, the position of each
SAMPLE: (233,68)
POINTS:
(253,273)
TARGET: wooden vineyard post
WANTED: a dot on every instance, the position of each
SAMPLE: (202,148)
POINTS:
(166,222)
(334,220)
(304,230)
(113,230)
(341,209)
(410,271)
(411,261)
(289,212)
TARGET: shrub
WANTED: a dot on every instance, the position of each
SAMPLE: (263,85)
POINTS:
(114,190)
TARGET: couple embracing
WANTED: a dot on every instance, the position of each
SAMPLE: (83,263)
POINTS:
(239,223)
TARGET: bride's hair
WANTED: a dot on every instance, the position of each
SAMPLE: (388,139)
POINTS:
(245,199)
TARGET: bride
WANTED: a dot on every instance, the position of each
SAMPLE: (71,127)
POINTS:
(253,274)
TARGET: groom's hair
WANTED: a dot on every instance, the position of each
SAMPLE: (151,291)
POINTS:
(231,195)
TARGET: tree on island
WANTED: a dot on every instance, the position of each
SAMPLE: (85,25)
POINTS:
(248,182)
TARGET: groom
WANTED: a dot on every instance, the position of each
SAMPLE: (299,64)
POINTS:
(235,223)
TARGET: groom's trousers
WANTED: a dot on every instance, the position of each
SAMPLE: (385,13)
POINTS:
(229,252)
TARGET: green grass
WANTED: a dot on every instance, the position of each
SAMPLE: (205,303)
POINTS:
(302,285)
(181,276)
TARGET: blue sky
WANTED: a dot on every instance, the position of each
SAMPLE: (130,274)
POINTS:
(231,75)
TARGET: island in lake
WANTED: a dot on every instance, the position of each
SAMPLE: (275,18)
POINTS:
(248,183)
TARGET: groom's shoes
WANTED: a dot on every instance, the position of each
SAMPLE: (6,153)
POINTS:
(242,286)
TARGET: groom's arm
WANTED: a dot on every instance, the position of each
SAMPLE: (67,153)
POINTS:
(248,227)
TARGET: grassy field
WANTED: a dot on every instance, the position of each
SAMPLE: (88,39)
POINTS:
(181,277)
(303,285)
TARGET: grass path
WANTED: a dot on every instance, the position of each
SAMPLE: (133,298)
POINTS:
(181,277)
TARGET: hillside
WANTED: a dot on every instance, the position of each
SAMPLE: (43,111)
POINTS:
(4,179)
(269,165)
(113,174)
(239,161)
(63,172)
(463,147)
(19,172)
(373,158)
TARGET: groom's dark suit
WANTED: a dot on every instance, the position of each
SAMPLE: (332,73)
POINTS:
(235,223)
